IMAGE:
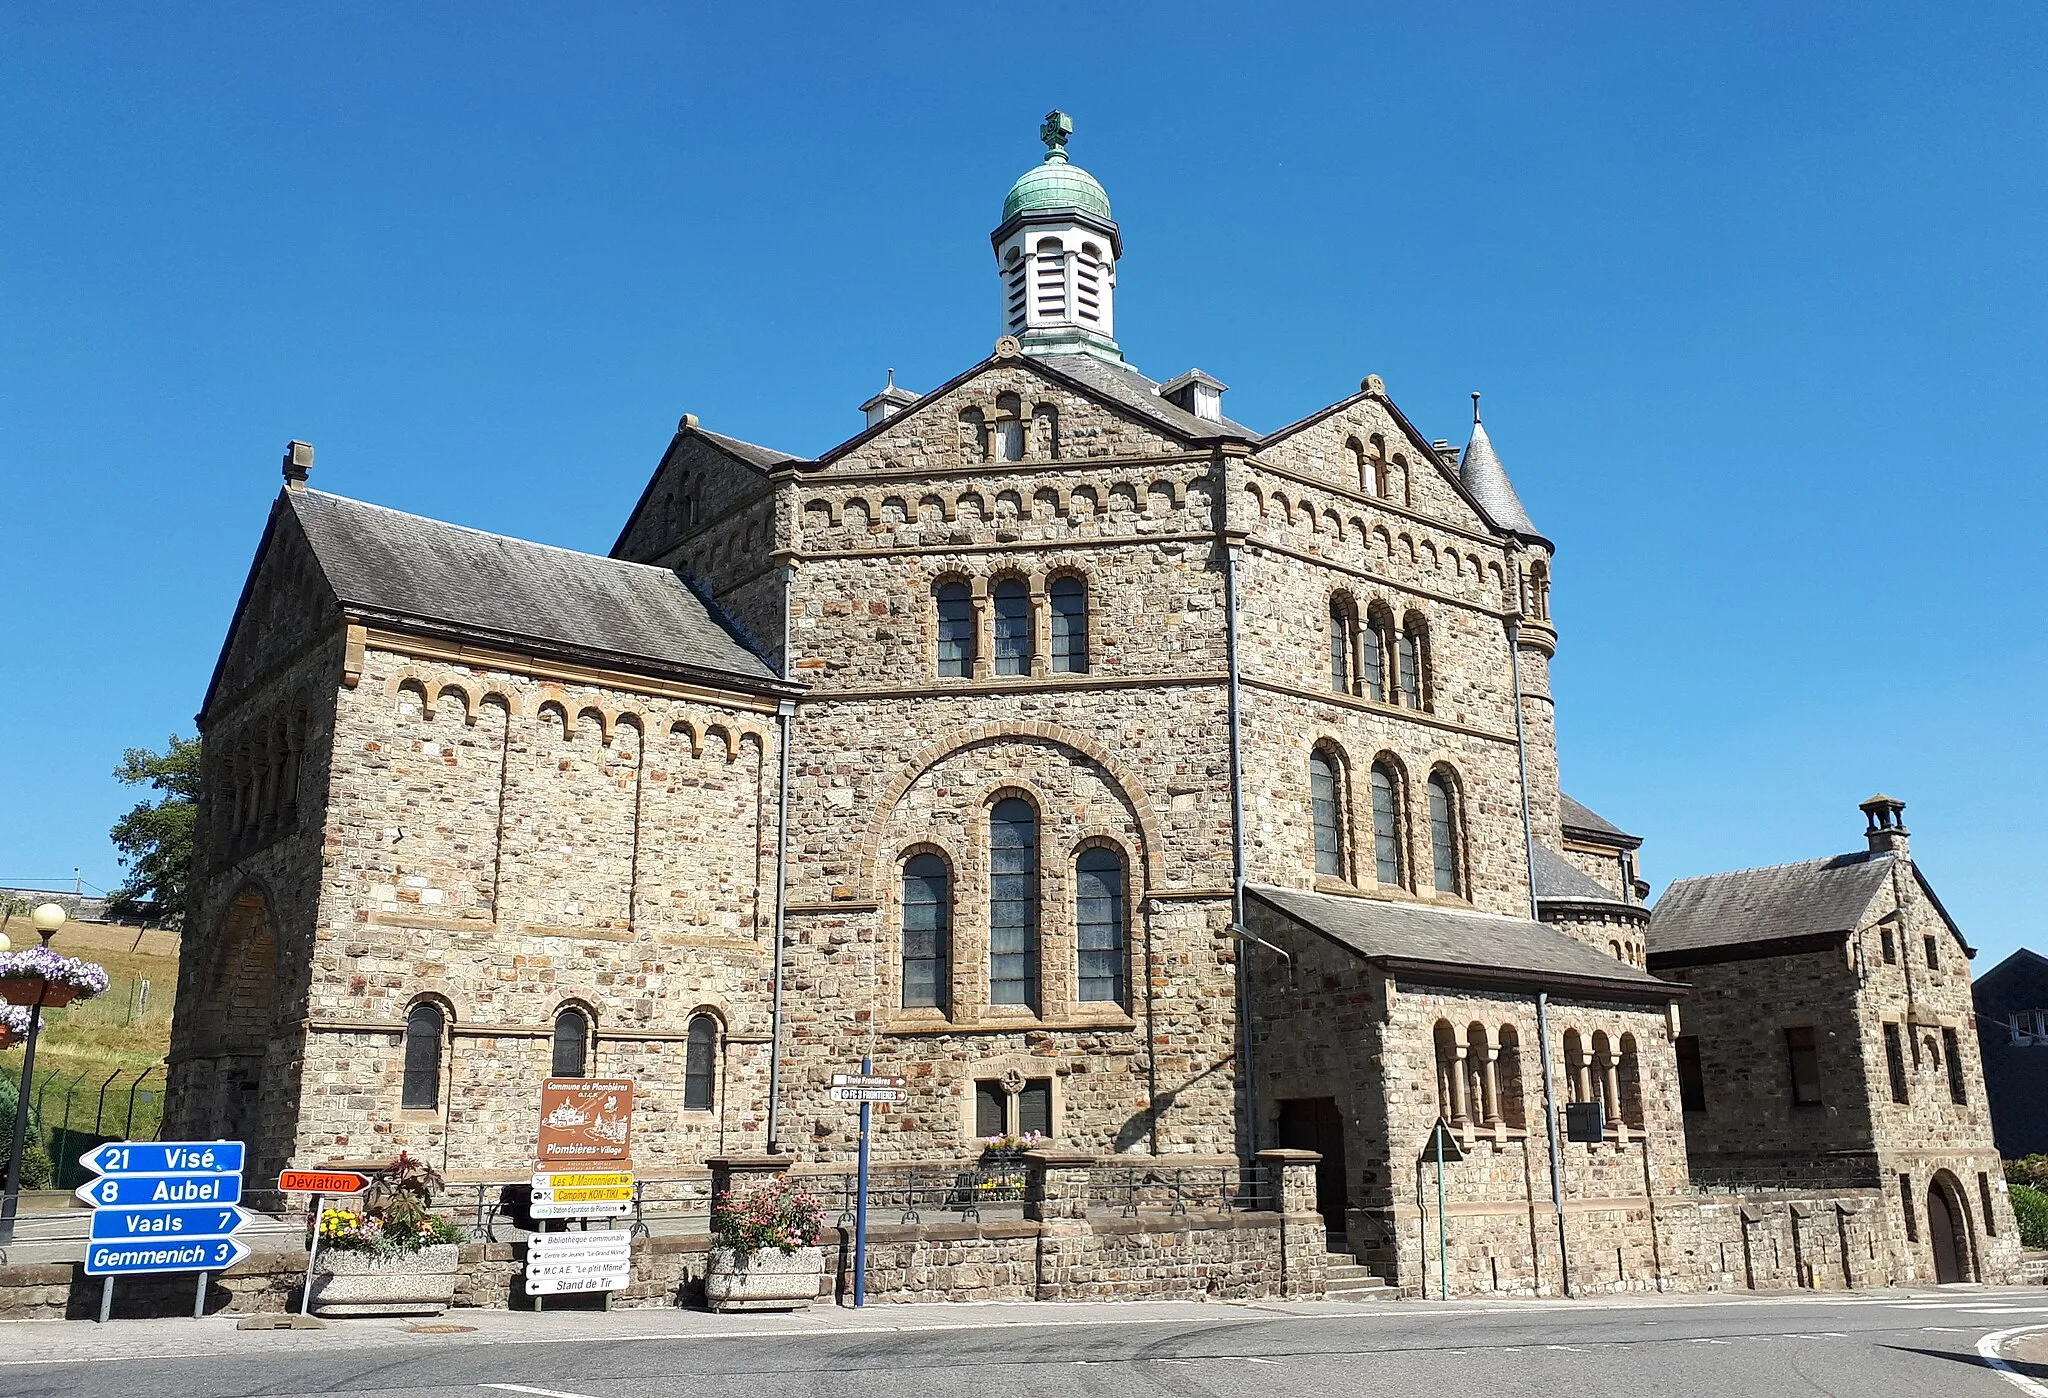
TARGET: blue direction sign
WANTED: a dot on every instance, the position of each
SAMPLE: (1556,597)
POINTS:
(164,1158)
(179,1223)
(163,1255)
(163,1206)
(134,1191)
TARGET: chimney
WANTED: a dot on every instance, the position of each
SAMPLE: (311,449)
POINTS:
(1195,392)
(889,402)
(1445,452)
(1884,824)
(298,464)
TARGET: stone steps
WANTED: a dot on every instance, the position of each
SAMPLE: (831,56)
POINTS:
(1346,1280)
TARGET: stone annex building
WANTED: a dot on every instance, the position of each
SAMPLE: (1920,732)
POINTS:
(1110,769)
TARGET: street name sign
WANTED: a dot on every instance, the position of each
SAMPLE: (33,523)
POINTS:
(868,1087)
(563,1262)
(163,1206)
(322,1182)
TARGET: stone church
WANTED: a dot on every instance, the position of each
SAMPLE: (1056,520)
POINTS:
(1108,768)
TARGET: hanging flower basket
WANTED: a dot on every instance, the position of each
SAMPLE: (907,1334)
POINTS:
(14,1021)
(57,980)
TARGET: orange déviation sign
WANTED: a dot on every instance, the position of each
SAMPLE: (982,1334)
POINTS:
(585,1119)
(322,1182)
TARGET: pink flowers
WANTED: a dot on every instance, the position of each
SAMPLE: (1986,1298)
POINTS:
(772,1213)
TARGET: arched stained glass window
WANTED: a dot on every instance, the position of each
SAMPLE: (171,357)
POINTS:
(1443,833)
(424,1027)
(1099,922)
(1013,903)
(700,1064)
(572,1042)
(927,931)
(1386,826)
(1069,598)
(956,631)
(1013,627)
(1325,812)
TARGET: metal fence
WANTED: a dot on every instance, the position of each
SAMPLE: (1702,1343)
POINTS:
(71,1111)
(1159,1187)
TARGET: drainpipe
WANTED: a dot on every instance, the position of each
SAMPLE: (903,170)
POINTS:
(785,713)
(1237,923)
(1542,997)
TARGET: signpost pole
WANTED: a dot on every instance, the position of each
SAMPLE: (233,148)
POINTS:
(860,1205)
(106,1297)
(199,1297)
(312,1251)
(1443,1234)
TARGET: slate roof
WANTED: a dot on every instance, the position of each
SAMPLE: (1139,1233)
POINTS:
(1122,384)
(754,455)
(488,586)
(1467,946)
(1589,824)
(1486,480)
(1558,880)
(1811,898)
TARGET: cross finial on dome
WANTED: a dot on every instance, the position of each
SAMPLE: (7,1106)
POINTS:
(1058,126)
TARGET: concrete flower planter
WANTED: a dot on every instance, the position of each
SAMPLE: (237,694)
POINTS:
(769,1280)
(404,1283)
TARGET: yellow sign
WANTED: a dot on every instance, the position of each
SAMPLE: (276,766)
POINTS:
(562,1179)
(601,1194)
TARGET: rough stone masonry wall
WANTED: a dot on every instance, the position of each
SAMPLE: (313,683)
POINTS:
(889,760)
(255,886)
(1306,553)
(508,844)
(1932,1137)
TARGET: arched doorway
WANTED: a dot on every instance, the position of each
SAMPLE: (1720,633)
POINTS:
(242,1004)
(1948,1229)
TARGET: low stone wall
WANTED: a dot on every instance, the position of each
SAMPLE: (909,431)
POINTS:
(1066,1248)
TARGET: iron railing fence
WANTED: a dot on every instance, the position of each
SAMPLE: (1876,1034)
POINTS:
(1157,1186)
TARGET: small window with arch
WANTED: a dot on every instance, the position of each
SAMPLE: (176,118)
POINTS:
(570,1058)
(700,1064)
(955,602)
(425,1028)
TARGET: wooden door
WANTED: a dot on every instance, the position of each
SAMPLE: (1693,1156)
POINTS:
(1945,1231)
(1314,1123)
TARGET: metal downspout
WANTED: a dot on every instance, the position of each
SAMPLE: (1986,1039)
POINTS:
(785,713)
(1542,998)
(1244,986)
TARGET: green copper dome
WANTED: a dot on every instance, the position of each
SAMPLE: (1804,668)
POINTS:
(1056,184)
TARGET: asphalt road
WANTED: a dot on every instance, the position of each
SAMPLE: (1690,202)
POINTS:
(1897,1345)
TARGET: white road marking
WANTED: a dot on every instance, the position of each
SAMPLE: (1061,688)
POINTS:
(543,1392)
(1988,1348)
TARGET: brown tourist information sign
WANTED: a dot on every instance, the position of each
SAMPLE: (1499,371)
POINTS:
(583,1120)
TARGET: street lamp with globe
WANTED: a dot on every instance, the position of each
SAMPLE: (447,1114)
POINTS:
(46,919)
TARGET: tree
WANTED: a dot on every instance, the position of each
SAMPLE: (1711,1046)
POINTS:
(155,839)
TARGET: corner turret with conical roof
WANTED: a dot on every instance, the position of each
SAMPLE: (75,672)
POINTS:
(1486,480)
(1056,254)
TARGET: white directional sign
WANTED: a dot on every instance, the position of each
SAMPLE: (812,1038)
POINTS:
(559,1262)
(868,1087)
(582,1193)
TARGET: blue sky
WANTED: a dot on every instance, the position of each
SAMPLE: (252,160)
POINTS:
(1754,293)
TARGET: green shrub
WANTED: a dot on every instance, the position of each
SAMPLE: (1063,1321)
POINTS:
(2030,1206)
(2032,1171)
